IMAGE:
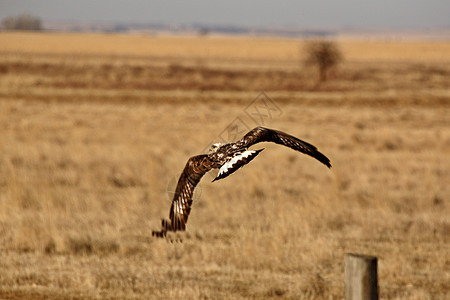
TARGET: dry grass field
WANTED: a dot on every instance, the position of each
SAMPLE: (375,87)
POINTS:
(95,130)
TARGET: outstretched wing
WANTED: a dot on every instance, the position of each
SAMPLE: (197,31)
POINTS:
(261,134)
(194,170)
(236,162)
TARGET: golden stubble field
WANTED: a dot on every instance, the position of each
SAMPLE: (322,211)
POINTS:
(95,129)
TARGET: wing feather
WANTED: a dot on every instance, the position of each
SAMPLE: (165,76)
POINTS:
(261,134)
(194,170)
(236,162)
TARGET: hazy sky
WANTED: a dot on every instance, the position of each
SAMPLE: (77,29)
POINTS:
(300,13)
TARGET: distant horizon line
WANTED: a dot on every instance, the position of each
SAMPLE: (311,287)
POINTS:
(230,25)
(204,29)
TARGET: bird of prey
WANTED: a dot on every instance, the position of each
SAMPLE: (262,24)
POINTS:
(228,158)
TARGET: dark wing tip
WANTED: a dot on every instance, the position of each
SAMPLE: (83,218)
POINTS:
(165,226)
(218,177)
(159,234)
(323,159)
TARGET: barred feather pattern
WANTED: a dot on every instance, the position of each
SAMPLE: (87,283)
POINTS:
(261,134)
(194,170)
(229,158)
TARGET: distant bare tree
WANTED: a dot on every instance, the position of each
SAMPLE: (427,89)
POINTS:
(323,54)
(22,22)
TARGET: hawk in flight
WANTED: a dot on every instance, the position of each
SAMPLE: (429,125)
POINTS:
(228,158)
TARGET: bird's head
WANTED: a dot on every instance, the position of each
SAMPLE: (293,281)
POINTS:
(215,147)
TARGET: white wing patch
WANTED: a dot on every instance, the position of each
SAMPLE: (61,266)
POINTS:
(230,163)
(236,162)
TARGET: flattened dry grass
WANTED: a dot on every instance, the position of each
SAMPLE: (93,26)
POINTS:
(87,171)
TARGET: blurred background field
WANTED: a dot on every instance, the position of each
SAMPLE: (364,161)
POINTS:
(95,127)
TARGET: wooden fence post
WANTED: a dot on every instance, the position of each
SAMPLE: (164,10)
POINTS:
(361,277)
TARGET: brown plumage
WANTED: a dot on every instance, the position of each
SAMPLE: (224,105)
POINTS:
(228,158)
